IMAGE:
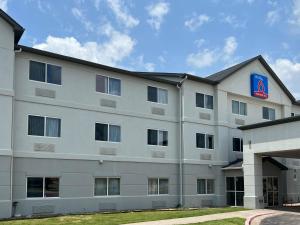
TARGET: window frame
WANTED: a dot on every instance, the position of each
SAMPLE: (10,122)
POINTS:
(107,187)
(158,130)
(205,96)
(46,72)
(269,109)
(44,178)
(45,126)
(241,144)
(206,192)
(108,135)
(158,186)
(157,102)
(239,108)
(205,141)
(108,77)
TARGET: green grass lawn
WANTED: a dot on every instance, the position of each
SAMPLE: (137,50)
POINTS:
(121,218)
(231,221)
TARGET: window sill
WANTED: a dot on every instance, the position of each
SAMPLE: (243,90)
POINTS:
(41,198)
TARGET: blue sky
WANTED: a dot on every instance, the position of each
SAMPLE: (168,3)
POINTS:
(198,37)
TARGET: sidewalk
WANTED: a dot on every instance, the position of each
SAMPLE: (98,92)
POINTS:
(197,219)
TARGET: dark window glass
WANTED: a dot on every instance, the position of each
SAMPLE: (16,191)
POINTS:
(265,112)
(53,74)
(153,186)
(101,132)
(230,184)
(100,187)
(51,187)
(235,107)
(236,144)
(231,198)
(114,186)
(200,140)
(114,86)
(37,71)
(201,186)
(239,183)
(152,137)
(36,125)
(199,100)
(242,145)
(101,84)
(239,198)
(34,187)
(209,101)
(210,186)
(152,94)
(114,133)
(163,186)
(243,108)
(163,138)
(271,114)
(209,141)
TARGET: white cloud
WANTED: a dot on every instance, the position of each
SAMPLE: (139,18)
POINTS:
(289,73)
(121,13)
(230,46)
(113,51)
(141,65)
(232,21)
(161,59)
(78,14)
(272,17)
(200,42)
(3,5)
(285,45)
(207,57)
(97,4)
(157,12)
(196,21)
(295,19)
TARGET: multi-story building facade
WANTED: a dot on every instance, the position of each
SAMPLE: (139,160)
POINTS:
(77,136)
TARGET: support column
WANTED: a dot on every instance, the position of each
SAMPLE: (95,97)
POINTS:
(253,181)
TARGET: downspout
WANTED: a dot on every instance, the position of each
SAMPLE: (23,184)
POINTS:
(13,205)
(181,104)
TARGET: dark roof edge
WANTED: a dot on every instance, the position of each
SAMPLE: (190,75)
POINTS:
(270,123)
(18,29)
(275,162)
(91,64)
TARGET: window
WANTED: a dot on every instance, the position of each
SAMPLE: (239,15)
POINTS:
(204,101)
(237,144)
(44,126)
(107,132)
(108,85)
(158,95)
(158,186)
(44,72)
(235,191)
(239,108)
(107,186)
(42,187)
(205,186)
(157,137)
(204,141)
(268,113)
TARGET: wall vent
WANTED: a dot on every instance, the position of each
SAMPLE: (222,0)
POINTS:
(158,154)
(239,122)
(205,156)
(45,209)
(158,111)
(42,147)
(204,116)
(45,93)
(108,103)
(108,151)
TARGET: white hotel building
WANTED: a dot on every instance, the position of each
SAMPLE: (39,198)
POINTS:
(76,136)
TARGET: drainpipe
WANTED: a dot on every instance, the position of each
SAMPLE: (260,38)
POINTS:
(13,205)
(181,106)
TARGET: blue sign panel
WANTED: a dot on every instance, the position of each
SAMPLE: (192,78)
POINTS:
(259,86)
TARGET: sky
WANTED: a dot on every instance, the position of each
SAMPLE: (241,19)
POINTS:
(199,37)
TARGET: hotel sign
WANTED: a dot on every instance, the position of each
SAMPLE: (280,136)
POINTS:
(259,86)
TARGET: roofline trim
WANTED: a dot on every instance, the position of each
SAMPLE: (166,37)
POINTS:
(270,123)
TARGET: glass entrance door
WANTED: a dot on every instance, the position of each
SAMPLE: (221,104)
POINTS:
(235,191)
(270,191)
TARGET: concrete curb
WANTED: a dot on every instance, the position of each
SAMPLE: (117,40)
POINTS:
(251,218)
